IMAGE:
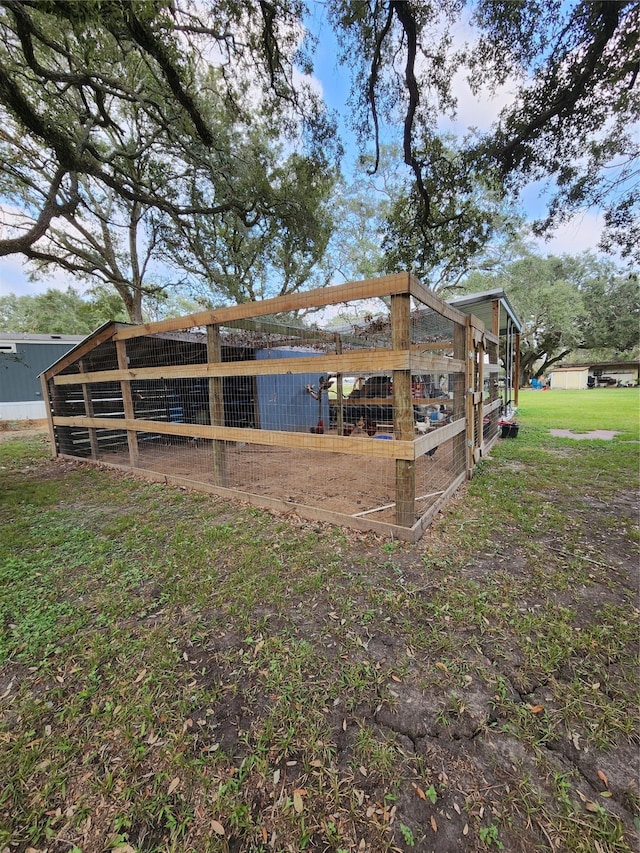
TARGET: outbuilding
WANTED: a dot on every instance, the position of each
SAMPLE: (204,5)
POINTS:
(23,358)
(603,374)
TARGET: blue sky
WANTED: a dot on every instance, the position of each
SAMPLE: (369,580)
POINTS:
(581,234)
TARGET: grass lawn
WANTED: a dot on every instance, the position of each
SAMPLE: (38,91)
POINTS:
(582,411)
(179,673)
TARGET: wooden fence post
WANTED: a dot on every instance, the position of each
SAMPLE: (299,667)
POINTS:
(459,395)
(403,422)
(470,384)
(127,401)
(339,392)
(88,410)
(216,405)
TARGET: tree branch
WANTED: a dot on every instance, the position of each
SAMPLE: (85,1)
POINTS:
(407,19)
(50,211)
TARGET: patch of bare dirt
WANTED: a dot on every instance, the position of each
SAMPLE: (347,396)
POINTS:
(10,430)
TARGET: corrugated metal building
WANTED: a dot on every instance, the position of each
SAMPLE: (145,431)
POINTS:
(23,358)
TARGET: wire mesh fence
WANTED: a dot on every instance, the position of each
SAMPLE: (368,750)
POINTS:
(370,418)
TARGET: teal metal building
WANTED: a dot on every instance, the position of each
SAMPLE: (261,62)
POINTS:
(23,358)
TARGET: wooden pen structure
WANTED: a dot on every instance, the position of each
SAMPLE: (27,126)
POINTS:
(227,401)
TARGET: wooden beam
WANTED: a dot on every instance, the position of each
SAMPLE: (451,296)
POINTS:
(448,345)
(364,361)
(403,423)
(339,394)
(492,406)
(127,401)
(44,384)
(425,520)
(423,363)
(495,317)
(88,410)
(269,327)
(478,400)
(319,298)
(438,436)
(516,370)
(95,340)
(470,387)
(429,298)
(358,446)
(475,323)
(459,393)
(216,405)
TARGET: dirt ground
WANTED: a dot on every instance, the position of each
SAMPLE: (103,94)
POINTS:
(334,482)
(8,429)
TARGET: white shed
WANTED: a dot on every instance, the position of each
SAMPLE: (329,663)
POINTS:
(603,374)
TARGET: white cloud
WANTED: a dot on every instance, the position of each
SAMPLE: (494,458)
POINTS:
(480,110)
(14,278)
(580,234)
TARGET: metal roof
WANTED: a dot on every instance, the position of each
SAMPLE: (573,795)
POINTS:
(25,338)
(481,306)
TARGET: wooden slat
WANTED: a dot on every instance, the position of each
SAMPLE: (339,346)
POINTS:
(81,350)
(216,404)
(364,361)
(435,364)
(127,401)
(388,401)
(429,298)
(339,393)
(88,410)
(470,387)
(403,423)
(459,391)
(425,520)
(491,407)
(432,346)
(44,384)
(349,292)
(476,324)
(358,446)
(516,369)
(269,327)
(438,436)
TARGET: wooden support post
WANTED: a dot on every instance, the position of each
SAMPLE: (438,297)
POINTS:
(339,390)
(479,408)
(216,405)
(492,349)
(403,423)
(48,400)
(516,370)
(127,401)
(470,384)
(88,410)
(459,395)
